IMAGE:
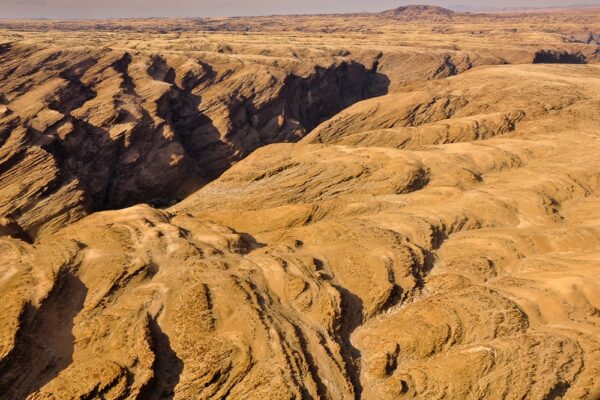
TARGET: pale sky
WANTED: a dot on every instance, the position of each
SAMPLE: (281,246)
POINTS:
(211,8)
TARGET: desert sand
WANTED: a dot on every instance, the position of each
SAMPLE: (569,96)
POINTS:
(357,206)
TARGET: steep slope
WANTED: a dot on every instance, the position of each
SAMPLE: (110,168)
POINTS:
(96,129)
(462,263)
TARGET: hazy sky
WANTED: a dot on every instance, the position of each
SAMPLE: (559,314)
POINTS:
(200,8)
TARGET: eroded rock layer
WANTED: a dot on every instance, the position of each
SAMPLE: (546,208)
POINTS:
(441,241)
(106,128)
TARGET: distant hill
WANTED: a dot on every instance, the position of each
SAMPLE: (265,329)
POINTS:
(417,11)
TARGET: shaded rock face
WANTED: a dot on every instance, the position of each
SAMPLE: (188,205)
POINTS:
(106,129)
(586,36)
(297,105)
(10,228)
(558,57)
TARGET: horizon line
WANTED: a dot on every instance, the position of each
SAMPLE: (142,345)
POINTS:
(457,8)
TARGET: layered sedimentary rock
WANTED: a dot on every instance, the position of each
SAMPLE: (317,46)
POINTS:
(95,129)
(439,239)
(103,116)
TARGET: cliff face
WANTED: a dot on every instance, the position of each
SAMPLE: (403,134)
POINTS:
(99,129)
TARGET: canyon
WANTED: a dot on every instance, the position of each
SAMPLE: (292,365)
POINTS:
(402,204)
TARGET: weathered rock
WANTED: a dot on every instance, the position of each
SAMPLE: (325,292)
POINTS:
(439,241)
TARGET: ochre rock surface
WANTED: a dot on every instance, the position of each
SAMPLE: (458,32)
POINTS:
(438,240)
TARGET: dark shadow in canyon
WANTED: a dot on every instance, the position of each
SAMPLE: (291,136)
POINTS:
(558,57)
(125,160)
(45,343)
(167,366)
(351,318)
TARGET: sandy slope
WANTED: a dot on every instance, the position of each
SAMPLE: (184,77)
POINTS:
(440,241)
